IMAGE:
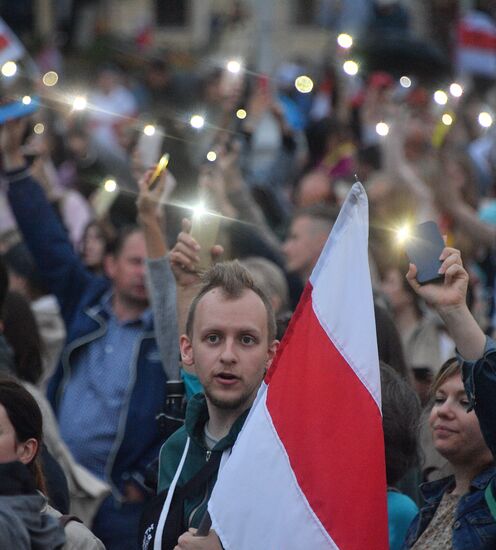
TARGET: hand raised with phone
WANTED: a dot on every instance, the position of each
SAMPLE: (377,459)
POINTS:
(185,257)
(451,293)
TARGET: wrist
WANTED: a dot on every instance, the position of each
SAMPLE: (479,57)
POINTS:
(13,161)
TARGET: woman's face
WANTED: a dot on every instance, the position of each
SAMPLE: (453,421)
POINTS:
(93,247)
(455,432)
(393,287)
(9,447)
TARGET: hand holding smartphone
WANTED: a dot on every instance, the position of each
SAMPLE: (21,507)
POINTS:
(205,229)
(423,249)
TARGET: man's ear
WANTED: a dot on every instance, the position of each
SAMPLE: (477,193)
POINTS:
(186,351)
(26,451)
(109,265)
(271,352)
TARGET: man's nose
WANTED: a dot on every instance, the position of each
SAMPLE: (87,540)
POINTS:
(228,355)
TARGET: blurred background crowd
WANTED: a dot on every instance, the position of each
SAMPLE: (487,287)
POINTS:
(269,112)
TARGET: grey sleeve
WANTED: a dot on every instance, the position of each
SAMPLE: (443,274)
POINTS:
(13,532)
(162,286)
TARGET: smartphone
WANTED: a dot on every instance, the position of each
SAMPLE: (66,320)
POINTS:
(205,229)
(423,249)
(161,166)
(150,147)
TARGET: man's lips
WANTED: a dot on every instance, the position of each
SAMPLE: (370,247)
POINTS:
(226,378)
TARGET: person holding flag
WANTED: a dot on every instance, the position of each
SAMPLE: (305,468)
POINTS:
(298,464)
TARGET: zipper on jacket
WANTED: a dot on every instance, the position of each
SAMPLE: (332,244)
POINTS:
(203,501)
(208,454)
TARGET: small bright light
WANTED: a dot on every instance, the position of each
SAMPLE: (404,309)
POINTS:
(197,121)
(345,40)
(382,128)
(304,84)
(447,119)
(50,78)
(9,68)
(456,90)
(110,185)
(149,130)
(440,97)
(199,210)
(405,82)
(350,67)
(39,128)
(212,156)
(403,234)
(485,119)
(241,114)
(79,103)
(26,100)
(233,66)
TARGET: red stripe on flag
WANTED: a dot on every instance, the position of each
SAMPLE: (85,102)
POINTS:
(4,42)
(477,39)
(331,429)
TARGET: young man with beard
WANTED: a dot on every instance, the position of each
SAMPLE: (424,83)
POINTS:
(230,342)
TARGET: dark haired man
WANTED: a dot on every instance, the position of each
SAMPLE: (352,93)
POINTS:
(230,342)
(110,383)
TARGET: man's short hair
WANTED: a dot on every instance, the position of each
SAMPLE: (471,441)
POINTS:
(233,279)
(317,212)
(114,246)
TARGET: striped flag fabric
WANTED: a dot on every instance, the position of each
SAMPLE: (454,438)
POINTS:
(308,468)
(476,52)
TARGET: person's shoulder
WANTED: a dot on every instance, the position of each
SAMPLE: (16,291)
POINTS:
(401,504)
(174,443)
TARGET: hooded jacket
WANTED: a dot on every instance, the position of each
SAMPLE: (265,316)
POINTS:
(22,523)
(195,505)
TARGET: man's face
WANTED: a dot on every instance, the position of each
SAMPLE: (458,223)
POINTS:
(127,269)
(229,348)
(303,245)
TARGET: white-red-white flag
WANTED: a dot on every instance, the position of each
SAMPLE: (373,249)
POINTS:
(476,51)
(11,48)
(308,468)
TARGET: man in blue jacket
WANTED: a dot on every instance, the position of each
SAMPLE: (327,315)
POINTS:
(110,383)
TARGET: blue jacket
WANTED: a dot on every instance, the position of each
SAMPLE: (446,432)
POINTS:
(479,378)
(79,293)
(473,528)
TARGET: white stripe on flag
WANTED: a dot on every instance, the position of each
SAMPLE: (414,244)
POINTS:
(284,504)
(348,318)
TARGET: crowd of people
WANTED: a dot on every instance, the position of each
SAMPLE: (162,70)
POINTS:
(137,327)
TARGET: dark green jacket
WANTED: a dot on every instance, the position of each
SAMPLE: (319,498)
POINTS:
(198,454)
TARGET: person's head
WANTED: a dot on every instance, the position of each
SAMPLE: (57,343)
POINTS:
(270,277)
(22,335)
(95,241)
(229,338)
(398,292)
(308,233)
(456,433)
(21,428)
(125,266)
(24,276)
(389,343)
(400,421)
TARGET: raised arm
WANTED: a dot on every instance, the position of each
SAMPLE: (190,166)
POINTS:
(449,298)
(162,282)
(60,267)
